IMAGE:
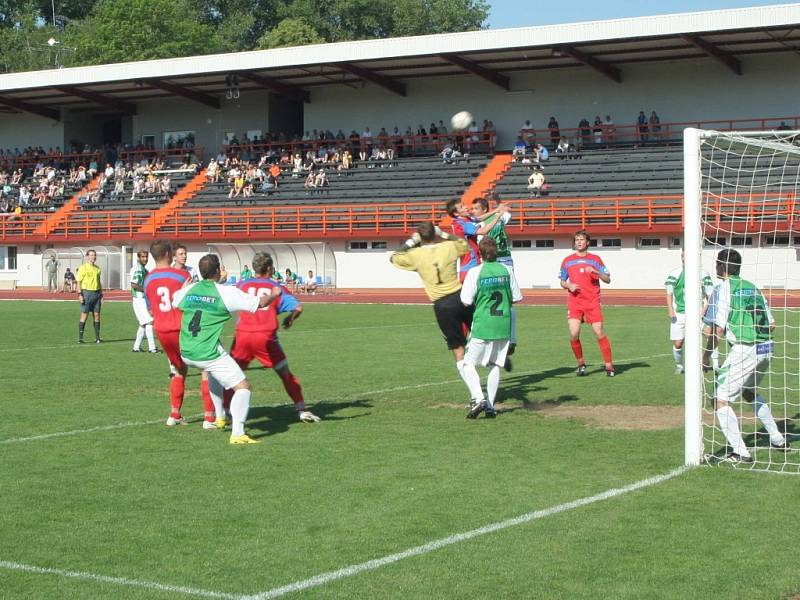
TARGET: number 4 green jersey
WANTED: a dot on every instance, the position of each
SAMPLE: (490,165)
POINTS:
(492,287)
(206,307)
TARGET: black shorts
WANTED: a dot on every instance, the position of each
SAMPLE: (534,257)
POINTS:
(454,319)
(91,301)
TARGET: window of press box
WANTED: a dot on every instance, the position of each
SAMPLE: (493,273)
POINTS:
(521,244)
(545,243)
(775,240)
(367,246)
(592,243)
(8,258)
(649,242)
(612,243)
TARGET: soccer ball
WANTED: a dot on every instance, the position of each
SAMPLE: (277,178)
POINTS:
(461,120)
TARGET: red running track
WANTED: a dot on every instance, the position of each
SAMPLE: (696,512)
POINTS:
(539,297)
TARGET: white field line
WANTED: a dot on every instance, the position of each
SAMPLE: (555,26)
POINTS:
(400,388)
(149,585)
(300,332)
(370,565)
(377,563)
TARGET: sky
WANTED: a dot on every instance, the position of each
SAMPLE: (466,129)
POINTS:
(524,13)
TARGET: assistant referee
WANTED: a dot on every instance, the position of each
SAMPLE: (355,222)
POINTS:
(435,263)
(90,294)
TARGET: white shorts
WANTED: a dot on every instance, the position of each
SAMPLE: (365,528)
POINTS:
(677,330)
(224,369)
(140,310)
(742,370)
(486,352)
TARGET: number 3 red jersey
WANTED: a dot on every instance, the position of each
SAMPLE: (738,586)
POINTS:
(160,286)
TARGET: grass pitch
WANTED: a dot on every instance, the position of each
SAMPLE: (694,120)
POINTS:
(394,465)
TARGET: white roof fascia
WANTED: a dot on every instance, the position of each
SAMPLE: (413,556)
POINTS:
(470,41)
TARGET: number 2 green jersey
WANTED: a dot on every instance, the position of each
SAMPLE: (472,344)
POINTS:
(492,288)
(206,307)
(739,307)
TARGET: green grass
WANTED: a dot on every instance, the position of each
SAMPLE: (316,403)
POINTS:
(393,465)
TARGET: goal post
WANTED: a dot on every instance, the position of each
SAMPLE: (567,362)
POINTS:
(740,193)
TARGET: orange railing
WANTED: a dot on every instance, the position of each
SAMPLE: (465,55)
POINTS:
(657,213)
(151,154)
(660,133)
(30,160)
(404,145)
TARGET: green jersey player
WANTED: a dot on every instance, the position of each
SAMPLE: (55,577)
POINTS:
(480,211)
(492,288)
(676,310)
(739,311)
(140,310)
(206,307)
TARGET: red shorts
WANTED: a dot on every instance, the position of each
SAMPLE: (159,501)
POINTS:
(171,347)
(263,347)
(587,313)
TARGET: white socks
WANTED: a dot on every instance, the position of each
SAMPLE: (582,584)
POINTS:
(240,405)
(139,337)
(729,424)
(765,416)
(151,343)
(492,384)
(473,381)
(140,333)
(677,354)
(215,391)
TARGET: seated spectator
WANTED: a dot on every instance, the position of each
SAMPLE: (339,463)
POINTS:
(290,281)
(321,179)
(563,149)
(535,182)
(311,181)
(24,195)
(541,154)
(213,172)
(275,174)
(70,283)
(450,155)
(310,284)
(237,186)
(119,188)
(519,149)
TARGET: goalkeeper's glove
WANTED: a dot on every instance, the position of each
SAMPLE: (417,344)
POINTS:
(442,234)
(414,241)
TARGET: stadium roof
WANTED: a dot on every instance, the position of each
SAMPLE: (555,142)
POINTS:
(605,46)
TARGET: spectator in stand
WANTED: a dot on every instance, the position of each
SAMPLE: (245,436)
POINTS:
(321,179)
(441,128)
(642,126)
(535,182)
(237,187)
(311,181)
(783,127)
(555,131)
(213,173)
(528,132)
(597,130)
(274,175)
(563,149)
(655,126)
(24,195)
(585,131)
(366,143)
(347,162)
(119,188)
(518,153)
(608,129)
(542,154)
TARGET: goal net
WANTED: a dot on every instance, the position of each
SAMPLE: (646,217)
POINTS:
(741,193)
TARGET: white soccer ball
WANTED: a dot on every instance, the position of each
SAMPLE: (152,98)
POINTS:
(461,120)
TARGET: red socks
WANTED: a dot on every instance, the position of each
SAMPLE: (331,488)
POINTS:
(577,350)
(227,396)
(208,405)
(605,350)
(293,388)
(176,387)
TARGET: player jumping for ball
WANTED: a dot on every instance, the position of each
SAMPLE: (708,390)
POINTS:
(581,274)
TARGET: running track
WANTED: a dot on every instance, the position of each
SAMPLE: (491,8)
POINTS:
(776,298)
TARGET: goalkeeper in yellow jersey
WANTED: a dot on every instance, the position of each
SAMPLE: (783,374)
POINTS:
(435,263)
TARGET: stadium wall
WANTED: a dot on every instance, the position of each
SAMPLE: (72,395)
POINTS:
(23,129)
(631,267)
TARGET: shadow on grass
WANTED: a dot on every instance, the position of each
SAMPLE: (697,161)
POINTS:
(270,420)
(520,387)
